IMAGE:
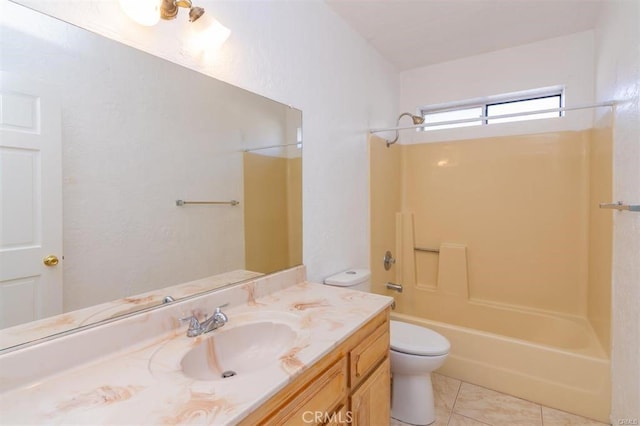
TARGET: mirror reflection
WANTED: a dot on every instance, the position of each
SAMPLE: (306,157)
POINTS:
(104,150)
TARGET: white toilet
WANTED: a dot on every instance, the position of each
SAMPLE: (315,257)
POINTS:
(415,352)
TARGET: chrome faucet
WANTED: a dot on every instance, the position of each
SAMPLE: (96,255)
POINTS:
(217,320)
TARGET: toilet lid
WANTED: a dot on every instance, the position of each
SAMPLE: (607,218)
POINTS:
(412,339)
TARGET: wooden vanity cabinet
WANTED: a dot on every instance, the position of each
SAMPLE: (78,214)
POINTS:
(351,385)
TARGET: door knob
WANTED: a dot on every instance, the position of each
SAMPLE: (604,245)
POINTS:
(50,260)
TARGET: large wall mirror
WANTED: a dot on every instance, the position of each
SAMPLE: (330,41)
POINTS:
(103,148)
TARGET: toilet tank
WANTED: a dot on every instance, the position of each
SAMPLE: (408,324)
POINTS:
(355,279)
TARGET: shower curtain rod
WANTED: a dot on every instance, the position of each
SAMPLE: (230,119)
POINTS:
(272,146)
(494,117)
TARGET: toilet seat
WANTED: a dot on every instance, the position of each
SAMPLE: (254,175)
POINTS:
(415,340)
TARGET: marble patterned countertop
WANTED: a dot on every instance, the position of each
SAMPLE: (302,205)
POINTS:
(109,375)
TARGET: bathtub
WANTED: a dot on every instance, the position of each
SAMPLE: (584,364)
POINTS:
(554,361)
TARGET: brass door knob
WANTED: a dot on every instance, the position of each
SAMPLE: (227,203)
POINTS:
(50,260)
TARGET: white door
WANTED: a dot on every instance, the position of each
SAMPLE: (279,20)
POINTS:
(30,201)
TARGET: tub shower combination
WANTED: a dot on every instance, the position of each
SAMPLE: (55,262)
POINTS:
(501,248)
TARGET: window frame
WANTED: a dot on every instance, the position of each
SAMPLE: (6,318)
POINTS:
(460,107)
(491,101)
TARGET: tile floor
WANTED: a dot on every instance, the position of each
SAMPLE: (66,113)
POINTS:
(463,404)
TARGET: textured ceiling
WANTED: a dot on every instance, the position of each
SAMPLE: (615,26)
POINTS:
(415,33)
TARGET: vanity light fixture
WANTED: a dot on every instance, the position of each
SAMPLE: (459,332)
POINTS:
(205,36)
(149,12)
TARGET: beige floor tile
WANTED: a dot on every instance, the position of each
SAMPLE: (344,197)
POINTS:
(445,390)
(458,420)
(496,408)
(553,417)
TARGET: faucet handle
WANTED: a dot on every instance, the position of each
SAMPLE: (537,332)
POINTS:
(219,315)
(195,327)
(218,308)
(192,320)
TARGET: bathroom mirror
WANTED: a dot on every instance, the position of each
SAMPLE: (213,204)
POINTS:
(140,139)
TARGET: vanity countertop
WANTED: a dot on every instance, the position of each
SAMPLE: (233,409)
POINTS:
(143,383)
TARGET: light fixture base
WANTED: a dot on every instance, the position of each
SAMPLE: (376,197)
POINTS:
(195,13)
(168,10)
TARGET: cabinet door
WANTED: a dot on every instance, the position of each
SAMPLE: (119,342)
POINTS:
(318,402)
(371,403)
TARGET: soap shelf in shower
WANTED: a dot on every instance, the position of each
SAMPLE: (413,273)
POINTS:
(428,250)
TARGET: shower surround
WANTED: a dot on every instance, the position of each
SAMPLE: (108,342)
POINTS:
(516,271)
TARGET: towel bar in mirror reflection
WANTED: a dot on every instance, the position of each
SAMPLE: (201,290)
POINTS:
(231,203)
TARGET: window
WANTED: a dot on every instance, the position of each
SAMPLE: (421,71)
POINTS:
(496,107)
(451,115)
(524,105)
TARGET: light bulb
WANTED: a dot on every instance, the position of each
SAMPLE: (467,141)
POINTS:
(144,12)
(208,35)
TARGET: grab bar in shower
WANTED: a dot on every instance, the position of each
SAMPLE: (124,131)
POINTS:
(183,203)
(429,250)
(621,206)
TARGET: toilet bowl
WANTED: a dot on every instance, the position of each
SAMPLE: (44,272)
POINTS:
(415,352)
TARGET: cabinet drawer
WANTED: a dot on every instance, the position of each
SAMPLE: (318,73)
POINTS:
(367,355)
(323,395)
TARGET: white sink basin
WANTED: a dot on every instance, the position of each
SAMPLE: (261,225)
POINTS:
(240,350)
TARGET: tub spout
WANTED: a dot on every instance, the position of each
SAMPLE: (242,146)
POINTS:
(393,286)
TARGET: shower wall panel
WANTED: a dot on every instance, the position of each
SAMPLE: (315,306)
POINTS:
(272,208)
(520,205)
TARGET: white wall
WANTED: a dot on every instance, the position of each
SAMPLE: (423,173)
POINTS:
(617,39)
(298,53)
(559,61)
